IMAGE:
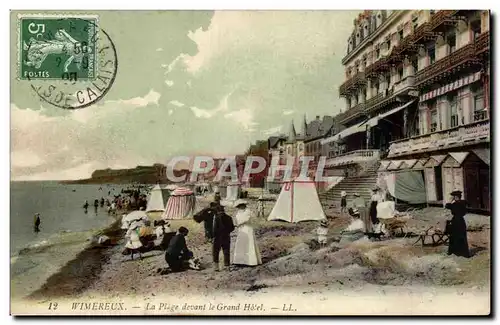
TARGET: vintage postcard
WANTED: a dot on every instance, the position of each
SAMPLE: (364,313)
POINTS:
(250,162)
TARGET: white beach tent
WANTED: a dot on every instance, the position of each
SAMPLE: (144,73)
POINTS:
(233,192)
(156,200)
(298,201)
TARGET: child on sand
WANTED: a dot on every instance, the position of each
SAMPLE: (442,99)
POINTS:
(322,231)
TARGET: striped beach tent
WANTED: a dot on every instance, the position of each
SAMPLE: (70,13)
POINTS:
(180,204)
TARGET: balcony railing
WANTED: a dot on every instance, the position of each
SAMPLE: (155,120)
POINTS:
(375,101)
(422,34)
(351,113)
(482,43)
(352,83)
(475,132)
(442,17)
(481,115)
(353,157)
(373,69)
(407,83)
(441,66)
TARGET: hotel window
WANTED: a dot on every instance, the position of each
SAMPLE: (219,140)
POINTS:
(431,53)
(400,33)
(451,41)
(475,27)
(414,63)
(453,100)
(478,98)
(400,73)
(434,117)
(414,21)
(377,53)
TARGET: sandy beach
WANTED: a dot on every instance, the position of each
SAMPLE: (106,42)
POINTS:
(364,277)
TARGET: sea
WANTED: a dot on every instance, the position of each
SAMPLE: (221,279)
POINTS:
(65,228)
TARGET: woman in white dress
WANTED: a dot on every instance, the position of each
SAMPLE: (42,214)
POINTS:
(246,251)
(133,239)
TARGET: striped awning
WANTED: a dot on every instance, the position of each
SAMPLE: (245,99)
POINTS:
(181,191)
(357,128)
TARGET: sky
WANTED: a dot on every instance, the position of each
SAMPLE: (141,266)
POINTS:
(188,83)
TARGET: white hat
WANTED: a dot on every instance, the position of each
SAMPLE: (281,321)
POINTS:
(240,202)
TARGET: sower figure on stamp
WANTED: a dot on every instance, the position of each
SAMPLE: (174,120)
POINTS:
(456,227)
(223,226)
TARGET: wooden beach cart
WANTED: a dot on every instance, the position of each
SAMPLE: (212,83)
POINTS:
(432,237)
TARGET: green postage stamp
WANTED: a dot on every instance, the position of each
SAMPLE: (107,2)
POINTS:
(57,47)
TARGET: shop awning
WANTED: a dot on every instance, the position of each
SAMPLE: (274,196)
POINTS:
(360,127)
(483,154)
(374,120)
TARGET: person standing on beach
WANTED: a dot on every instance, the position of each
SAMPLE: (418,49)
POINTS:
(359,203)
(246,250)
(37,223)
(457,228)
(223,226)
(343,202)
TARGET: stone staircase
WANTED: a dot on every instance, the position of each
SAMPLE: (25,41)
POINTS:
(361,184)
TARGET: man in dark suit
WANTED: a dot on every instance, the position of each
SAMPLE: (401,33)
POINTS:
(456,227)
(223,226)
(207,215)
(177,251)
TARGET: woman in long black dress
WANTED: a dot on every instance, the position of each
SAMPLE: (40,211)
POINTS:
(375,199)
(457,228)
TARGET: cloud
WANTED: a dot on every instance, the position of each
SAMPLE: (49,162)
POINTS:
(288,112)
(169,83)
(273,130)
(201,113)
(110,107)
(159,49)
(25,158)
(151,98)
(176,103)
(243,117)
(170,111)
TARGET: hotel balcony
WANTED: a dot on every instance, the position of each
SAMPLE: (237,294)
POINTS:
(423,34)
(463,135)
(351,84)
(405,85)
(353,157)
(374,69)
(379,100)
(443,19)
(351,113)
(442,68)
(482,43)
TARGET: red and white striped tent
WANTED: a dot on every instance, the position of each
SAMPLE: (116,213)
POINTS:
(298,201)
(180,204)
